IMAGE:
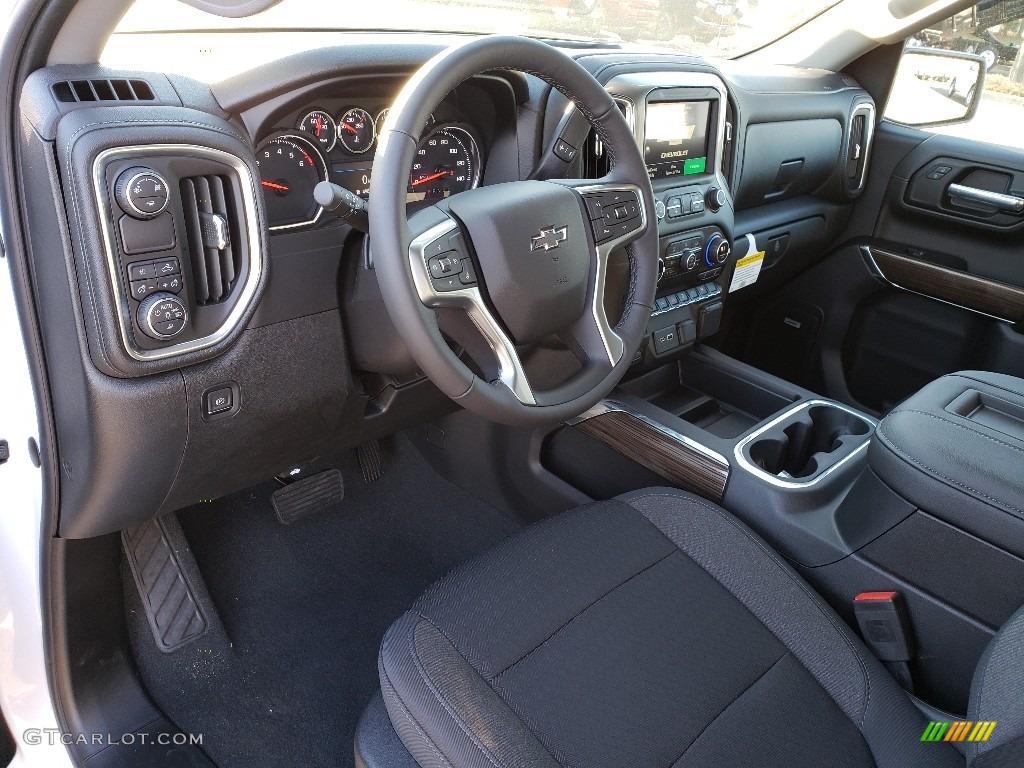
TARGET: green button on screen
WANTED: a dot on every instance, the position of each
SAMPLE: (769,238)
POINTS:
(695,165)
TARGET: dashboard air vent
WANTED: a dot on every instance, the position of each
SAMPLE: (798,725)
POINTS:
(858,146)
(71,91)
(211,226)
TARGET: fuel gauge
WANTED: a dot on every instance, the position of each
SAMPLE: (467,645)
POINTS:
(321,127)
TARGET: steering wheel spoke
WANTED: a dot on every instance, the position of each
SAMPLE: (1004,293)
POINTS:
(446,278)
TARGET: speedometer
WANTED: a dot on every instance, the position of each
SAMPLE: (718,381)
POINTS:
(290,166)
(447,162)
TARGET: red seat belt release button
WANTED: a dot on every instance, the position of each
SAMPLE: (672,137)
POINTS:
(884,625)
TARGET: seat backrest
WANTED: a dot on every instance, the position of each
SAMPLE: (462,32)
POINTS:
(997,694)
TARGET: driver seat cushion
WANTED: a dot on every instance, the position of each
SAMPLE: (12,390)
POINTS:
(650,630)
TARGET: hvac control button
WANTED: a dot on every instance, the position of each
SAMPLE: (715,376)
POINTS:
(141,193)
(162,315)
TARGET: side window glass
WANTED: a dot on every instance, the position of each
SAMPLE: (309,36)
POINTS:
(965,75)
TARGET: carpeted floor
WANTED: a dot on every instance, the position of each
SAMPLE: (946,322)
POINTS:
(304,607)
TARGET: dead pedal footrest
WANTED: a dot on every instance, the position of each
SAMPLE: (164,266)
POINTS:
(322,491)
(167,597)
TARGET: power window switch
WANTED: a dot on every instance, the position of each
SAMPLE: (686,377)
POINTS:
(665,340)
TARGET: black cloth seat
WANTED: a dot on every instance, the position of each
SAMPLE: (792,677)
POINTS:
(651,630)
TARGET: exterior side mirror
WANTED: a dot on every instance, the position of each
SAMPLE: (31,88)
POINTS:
(936,87)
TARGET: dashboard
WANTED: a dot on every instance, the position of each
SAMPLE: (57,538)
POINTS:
(334,138)
(201,289)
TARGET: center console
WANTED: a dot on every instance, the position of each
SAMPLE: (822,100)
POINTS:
(679,120)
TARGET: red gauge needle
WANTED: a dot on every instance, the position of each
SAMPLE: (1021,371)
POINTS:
(274,185)
(350,128)
(319,125)
(433,176)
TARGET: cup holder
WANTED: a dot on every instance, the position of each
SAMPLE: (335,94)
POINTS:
(805,442)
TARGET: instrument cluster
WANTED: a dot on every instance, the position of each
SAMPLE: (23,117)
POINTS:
(337,143)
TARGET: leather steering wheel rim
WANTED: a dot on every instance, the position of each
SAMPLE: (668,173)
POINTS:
(392,233)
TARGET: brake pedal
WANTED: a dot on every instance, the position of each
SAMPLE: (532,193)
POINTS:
(370,461)
(161,575)
(324,490)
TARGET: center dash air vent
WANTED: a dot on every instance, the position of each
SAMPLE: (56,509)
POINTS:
(71,91)
(211,226)
(595,162)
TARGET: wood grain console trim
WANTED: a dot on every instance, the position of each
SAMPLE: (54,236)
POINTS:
(660,451)
(980,294)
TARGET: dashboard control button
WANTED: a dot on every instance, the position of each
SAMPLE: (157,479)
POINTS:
(665,340)
(164,267)
(171,284)
(141,193)
(140,289)
(660,210)
(162,315)
(674,207)
(141,270)
(696,203)
(691,261)
(219,400)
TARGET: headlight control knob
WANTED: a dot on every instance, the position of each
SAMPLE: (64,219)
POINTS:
(718,250)
(162,316)
(141,193)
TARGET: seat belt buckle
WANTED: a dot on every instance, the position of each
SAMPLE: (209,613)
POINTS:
(884,625)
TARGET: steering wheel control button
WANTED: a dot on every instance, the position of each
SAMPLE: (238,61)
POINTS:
(445,265)
(564,150)
(147,235)
(612,214)
(142,193)
(162,316)
(468,275)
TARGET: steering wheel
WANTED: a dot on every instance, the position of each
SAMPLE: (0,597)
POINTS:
(525,260)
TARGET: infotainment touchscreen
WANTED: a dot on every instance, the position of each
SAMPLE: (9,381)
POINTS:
(676,138)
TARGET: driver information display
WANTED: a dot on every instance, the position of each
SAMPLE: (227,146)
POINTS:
(676,138)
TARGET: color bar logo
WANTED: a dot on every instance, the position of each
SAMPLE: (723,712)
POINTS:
(958,730)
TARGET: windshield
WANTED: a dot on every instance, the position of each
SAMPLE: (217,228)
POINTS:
(189,41)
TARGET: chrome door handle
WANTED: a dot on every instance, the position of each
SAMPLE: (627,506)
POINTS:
(1008,203)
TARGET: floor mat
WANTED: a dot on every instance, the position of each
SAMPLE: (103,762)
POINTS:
(304,607)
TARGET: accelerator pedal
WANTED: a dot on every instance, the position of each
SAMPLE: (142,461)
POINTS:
(161,563)
(370,461)
(322,491)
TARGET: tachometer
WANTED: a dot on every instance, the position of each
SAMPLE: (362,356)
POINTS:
(290,166)
(447,162)
(355,130)
(321,127)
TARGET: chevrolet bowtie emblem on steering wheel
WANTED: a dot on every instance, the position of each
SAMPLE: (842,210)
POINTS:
(549,238)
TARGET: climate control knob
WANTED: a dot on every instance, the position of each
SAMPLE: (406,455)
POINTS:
(141,193)
(162,316)
(691,261)
(718,251)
